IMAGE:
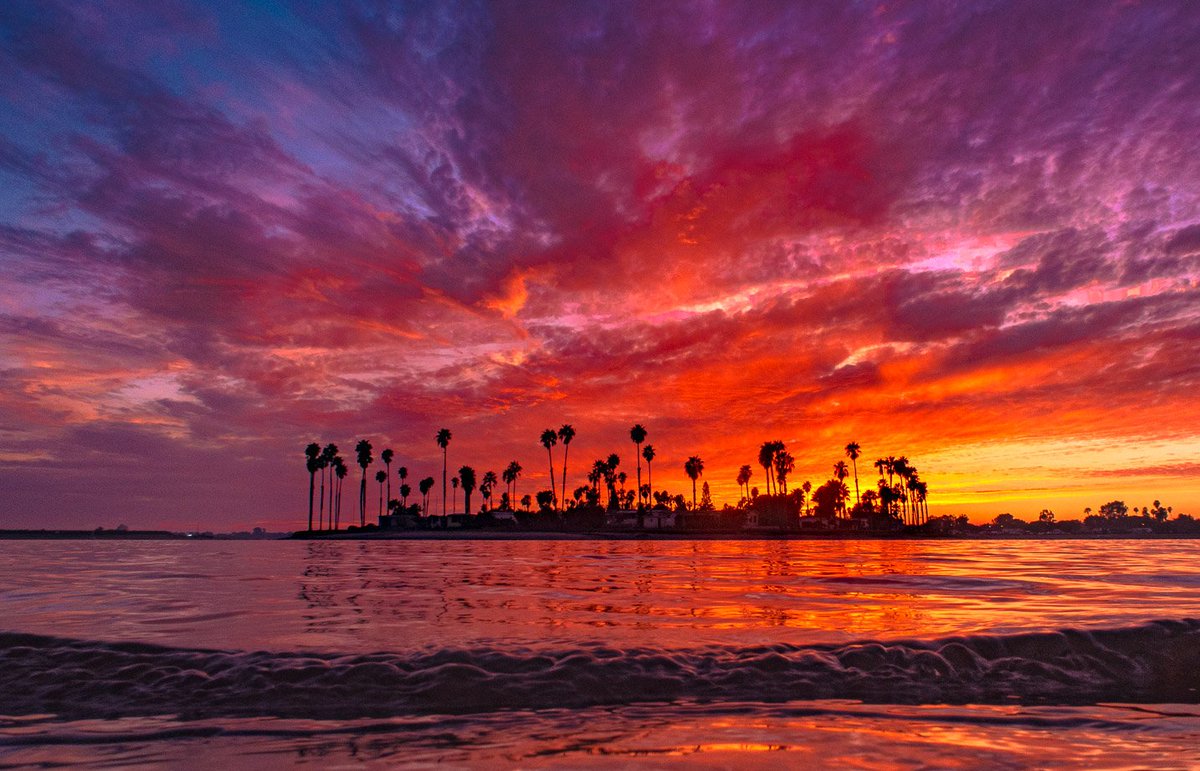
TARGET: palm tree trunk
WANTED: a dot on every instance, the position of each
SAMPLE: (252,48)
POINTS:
(650,478)
(443,481)
(312,481)
(566,447)
(553,497)
(638,445)
(857,499)
(362,499)
(693,495)
(321,507)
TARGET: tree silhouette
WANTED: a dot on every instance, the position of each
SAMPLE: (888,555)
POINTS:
(405,491)
(565,434)
(454,494)
(425,485)
(466,476)
(743,480)
(784,465)
(638,435)
(363,451)
(340,471)
(648,454)
(490,480)
(443,441)
(331,458)
(840,472)
(693,467)
(311,453)
(766,459)
(853,451)
(510,475)
(386,456)
(548,439)
(381,476)
(402,472)
(326,463)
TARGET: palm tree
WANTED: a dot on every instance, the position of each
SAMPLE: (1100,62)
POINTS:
(766,459)
(340,470)
(852,452)
(565,434)
(454,494)
(425,485)
(807,488)
(467,475)
(743,479)
(784,465)
(840,472)
(549,439)
(638,435)
(363,450)
(326,461)
(443,441)
(490,480)
(510,475)
(382,476)
(331,452)
(402,472)
(648,454)
(386,456)
(405,490)
(694,468)
(311,452)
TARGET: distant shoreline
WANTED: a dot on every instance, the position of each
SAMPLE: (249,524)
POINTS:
(551,535)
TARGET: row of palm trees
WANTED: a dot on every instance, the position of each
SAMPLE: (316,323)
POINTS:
(907,498)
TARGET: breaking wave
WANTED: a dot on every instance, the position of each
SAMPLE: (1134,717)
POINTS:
(1154,662)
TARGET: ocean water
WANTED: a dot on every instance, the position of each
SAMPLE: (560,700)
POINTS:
(526,654)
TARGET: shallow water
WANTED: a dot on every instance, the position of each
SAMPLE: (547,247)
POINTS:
(872,654)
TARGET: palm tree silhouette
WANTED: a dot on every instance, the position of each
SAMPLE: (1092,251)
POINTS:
(386,456)
(363,451)
(466,475)
(565,434)
(693,467)
(402,472)
(425,485)
(840,472)
(489,484)
(743,479)
(852,452)
(511,474)
(311,453)
(548,439)
(784,465)
(766,459)
(443,441)
(454,494)
(381,476)
(648,454)
(330,454)
(405,490)
(638,435)
(326,461)
(340,470)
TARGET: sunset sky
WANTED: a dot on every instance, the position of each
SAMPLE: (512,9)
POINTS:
(969,235)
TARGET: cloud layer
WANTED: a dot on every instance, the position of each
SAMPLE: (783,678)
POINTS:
(950,232)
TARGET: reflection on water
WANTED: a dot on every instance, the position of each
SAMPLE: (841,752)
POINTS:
(801,735)
(402,595)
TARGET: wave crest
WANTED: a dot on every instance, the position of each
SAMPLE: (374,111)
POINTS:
(1153,662)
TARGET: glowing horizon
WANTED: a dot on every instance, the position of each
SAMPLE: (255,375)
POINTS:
(968,236)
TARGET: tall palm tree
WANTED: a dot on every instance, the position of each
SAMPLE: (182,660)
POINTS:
(402,472)
(784,465)
(311,453)
(322,466)
(648,454)
(443,441)
(565,434)
(466,475)
(489,483)
(386,456)
(766,459)
(694,468)
(853,450)
(840,472)
(548,439)
(638,435)
(382,476)
(327,456)
(425,485)
(331,452)
(454,499)
(405,491)
(363,451)
(340,471)
(511,474)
